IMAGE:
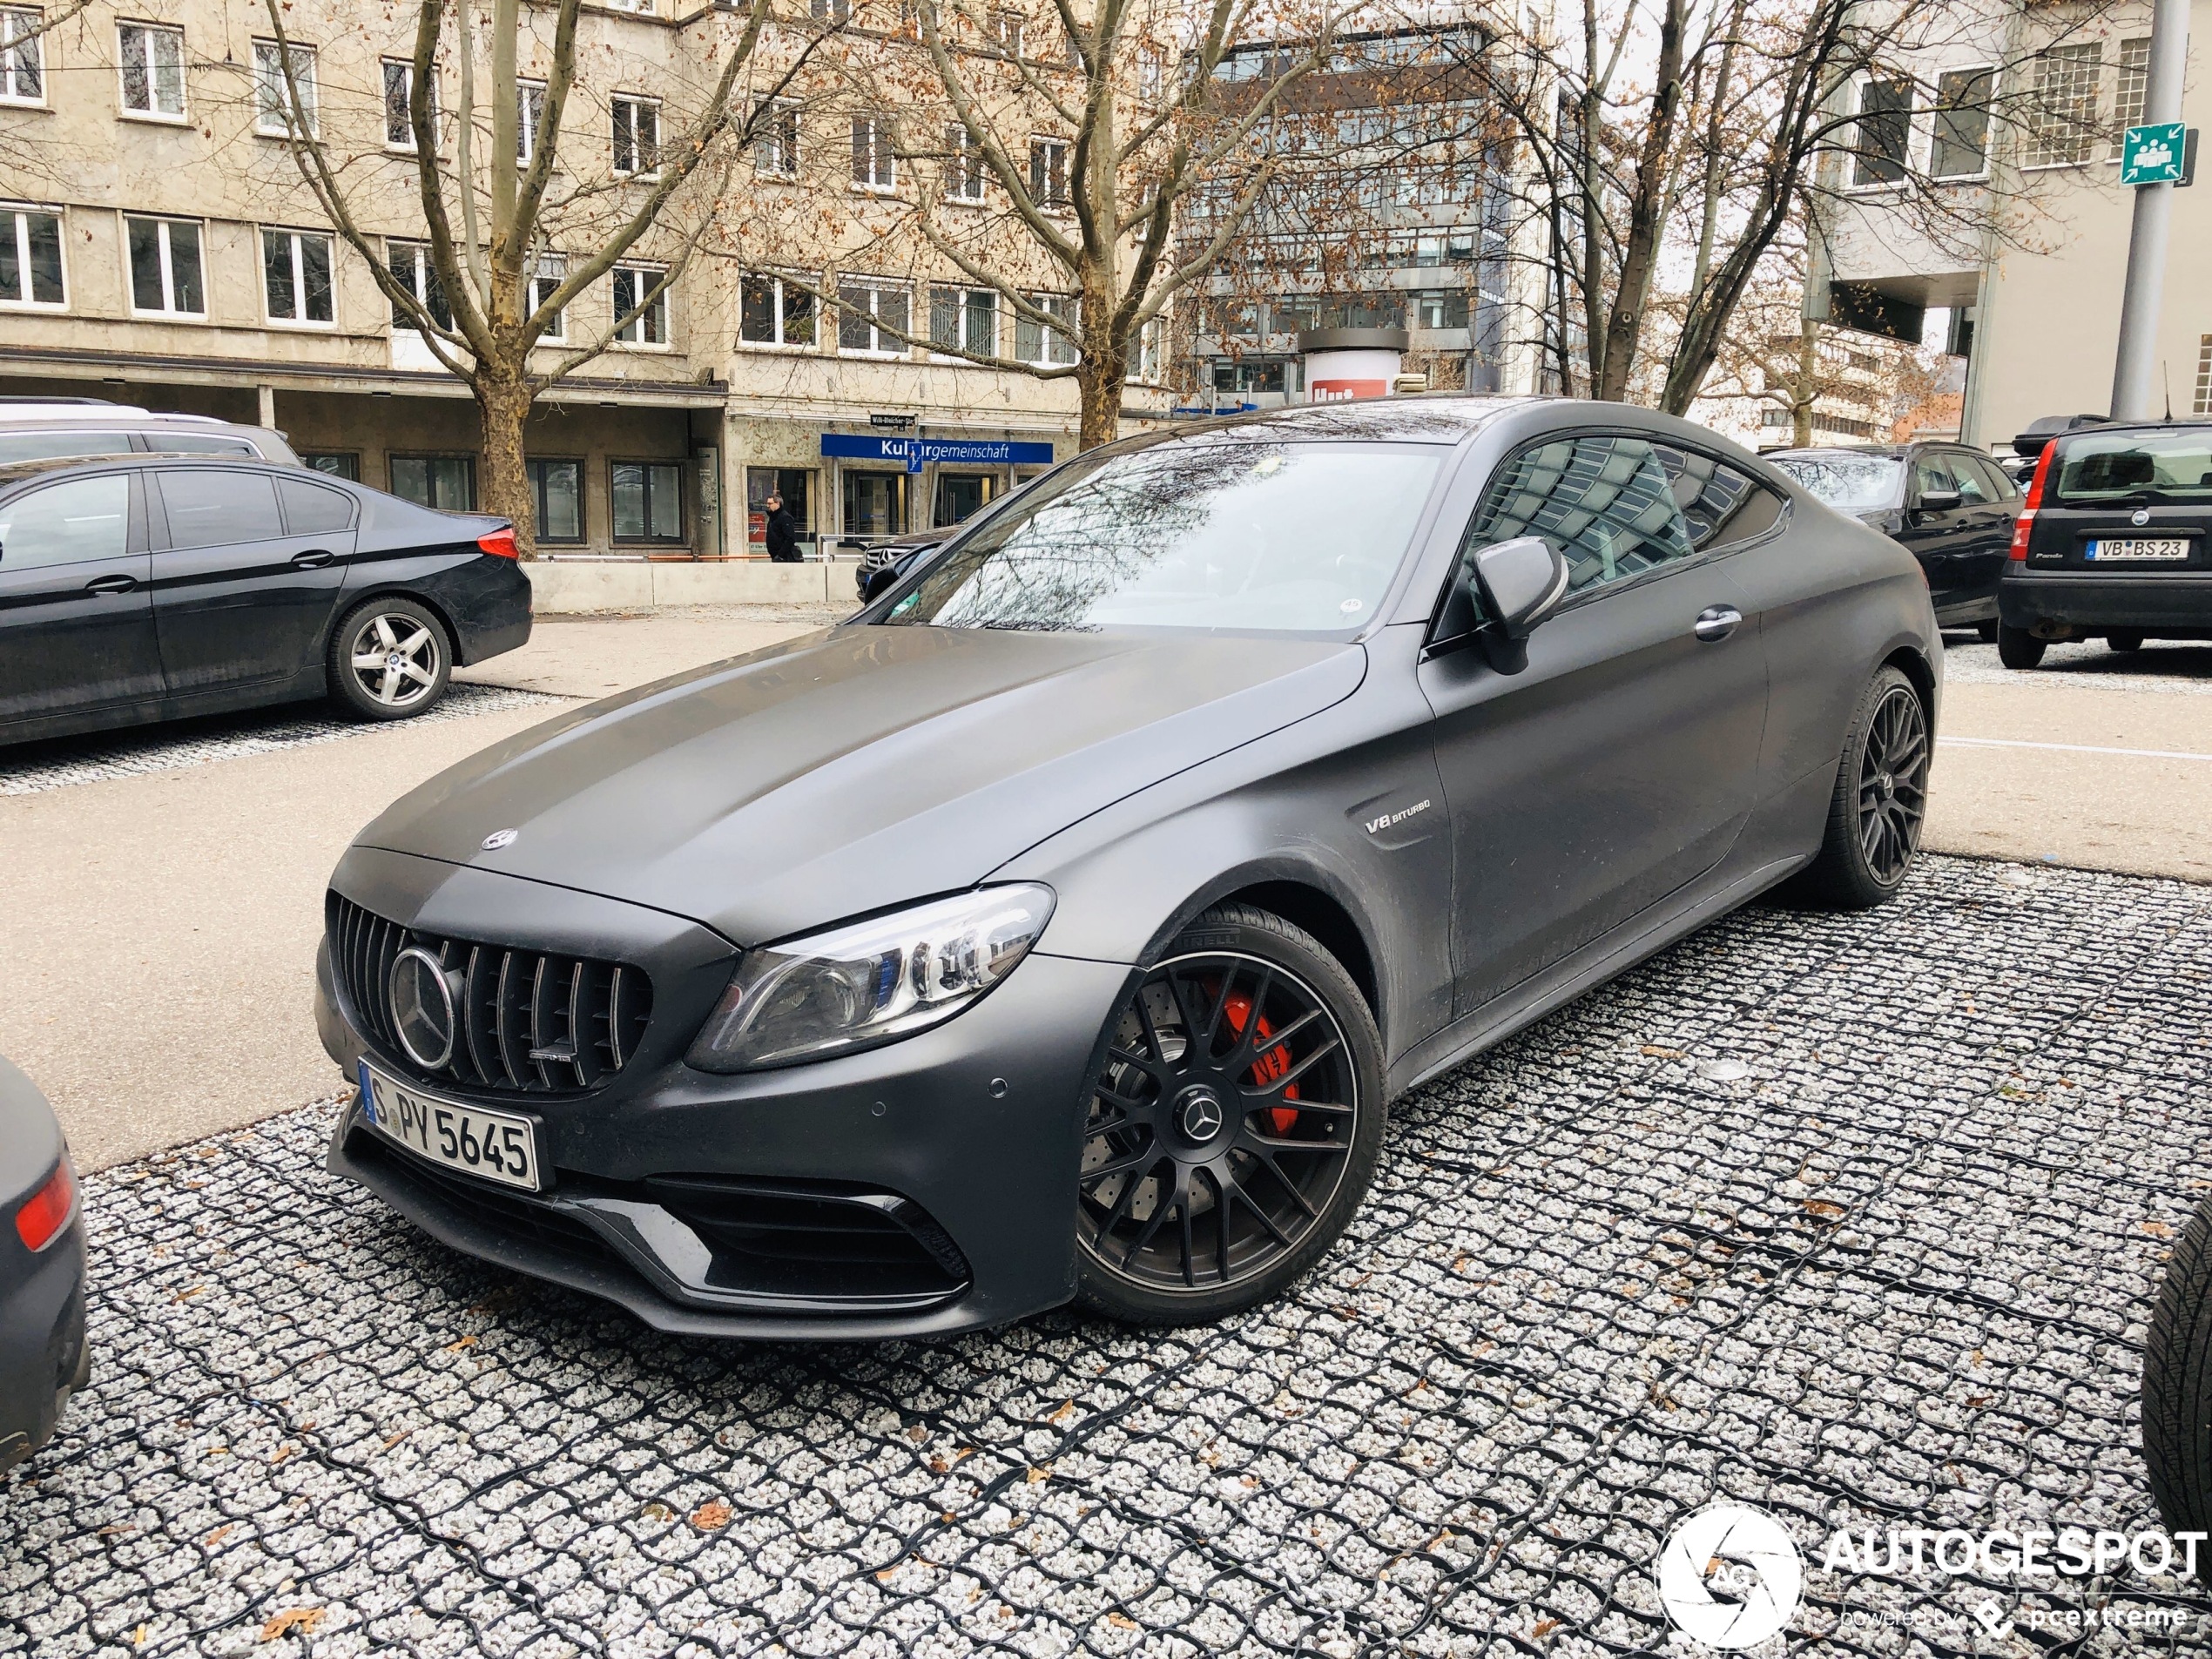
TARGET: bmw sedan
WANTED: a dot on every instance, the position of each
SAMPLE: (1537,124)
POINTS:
(136,587)
(1063,925)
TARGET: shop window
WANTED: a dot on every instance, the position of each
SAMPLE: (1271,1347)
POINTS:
(647,500)
(795,485)
(557,487)
(446,482)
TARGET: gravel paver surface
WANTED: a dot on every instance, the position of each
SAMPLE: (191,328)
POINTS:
(2163,665)
(1855,1219)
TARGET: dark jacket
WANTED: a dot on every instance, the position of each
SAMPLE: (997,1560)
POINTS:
(782,536)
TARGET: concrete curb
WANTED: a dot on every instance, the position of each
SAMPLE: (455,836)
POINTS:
(561,585)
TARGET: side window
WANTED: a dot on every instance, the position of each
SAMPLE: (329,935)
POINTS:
(1604,501)
(1996,485)
(215,509)
(1966,479)
(67,523)
(1929,473)
(1721,507)
(309,510)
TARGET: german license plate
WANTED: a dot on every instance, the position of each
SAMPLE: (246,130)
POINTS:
(2137,547)
(492,1146)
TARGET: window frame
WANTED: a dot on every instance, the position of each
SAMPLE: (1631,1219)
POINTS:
(964,165)
(876,287)
(405,145)
(643,150)
(615,536)
(2041,122)
(269,94)
(19,214)
(1067,313)
(423,276)
(163,223)
(127,111)
(1053,195)
(776,139)
(1938,109)
(11,54)
(528,91)
(963,294)
(882,160)
(532,465)
(1866,178)
(552,270)
(297,241)
(391,476)
(2123,71)
(653,315)
(779,314)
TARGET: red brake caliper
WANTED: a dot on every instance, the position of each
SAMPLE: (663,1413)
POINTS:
(1269,1066)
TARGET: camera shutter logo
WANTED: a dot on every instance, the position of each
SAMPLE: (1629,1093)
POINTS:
(1729,1576)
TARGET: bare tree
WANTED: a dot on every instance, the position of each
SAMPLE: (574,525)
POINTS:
(518,226)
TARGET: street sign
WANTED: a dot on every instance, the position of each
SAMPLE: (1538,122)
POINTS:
(2152,155)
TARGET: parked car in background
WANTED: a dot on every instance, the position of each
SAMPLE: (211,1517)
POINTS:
(44,1358)
(884,562)
(2113,542)
(143,587)
(1950,506)
(1062,923)
(43,428)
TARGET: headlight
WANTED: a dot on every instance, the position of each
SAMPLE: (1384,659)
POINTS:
(870,981)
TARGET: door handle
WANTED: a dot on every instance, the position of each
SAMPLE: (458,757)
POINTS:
(311,561)
(1716,623)
(117,583)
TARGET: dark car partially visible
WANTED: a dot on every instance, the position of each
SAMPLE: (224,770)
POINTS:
(44,1358)
(2115,541)
(139,587)
(1950,506)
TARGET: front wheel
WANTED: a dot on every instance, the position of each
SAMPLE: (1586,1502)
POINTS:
(1880,799)
(2017,648)
(2177,1383)
(1233,1127)
(1986,632)
(389,659)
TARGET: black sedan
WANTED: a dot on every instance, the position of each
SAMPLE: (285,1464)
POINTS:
(42,1354)
(2116,542)
(1950,506)
(138,588)
(1062,923)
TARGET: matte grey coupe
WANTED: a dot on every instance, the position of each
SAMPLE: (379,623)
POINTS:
(1062,923)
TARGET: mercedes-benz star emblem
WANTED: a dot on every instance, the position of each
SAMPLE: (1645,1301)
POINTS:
(498,838)
(1201,1115)
(423,1012)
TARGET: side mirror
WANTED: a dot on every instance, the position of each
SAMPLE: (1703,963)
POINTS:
(1520,583)
(1940,501)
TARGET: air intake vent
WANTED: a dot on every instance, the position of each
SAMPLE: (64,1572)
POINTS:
(527,1022)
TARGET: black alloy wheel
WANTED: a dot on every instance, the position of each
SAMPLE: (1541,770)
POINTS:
(2017,648)
(1233,1127)
(1880,800)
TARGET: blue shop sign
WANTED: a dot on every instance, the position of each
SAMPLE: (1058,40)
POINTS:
(914,453)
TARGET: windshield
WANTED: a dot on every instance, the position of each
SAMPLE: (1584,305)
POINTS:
(1848,483)
(1284,537)
(2173,467)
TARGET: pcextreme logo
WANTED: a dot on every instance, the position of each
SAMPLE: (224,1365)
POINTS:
(1729,1577)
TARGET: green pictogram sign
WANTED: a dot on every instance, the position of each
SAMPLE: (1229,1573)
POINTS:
(2152,155)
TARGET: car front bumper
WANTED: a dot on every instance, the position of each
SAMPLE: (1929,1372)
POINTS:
(958,1146)
(2173,604)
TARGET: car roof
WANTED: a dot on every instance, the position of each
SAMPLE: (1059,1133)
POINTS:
(99,415)
(14,472)
(2105,428)
(1424,417)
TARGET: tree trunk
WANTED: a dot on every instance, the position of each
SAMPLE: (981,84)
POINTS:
(1808,383)
(1100,380)
(503,406)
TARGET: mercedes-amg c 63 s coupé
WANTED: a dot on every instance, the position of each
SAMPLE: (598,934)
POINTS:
(1062,924)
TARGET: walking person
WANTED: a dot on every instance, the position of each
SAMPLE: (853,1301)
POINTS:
(782,532)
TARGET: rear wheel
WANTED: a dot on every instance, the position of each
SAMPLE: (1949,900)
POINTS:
(1233,1128)
(2129,640)
(1881,796)
(2177,1383)
(389,659)
(2017,648)
(1986,632)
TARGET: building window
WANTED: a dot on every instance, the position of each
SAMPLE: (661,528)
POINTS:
(874,166)
(2062,117)
(165,271)
(772,311)
(558,489)
(1151,71)
(23,62)
(1439,309)
(339,464)
(152,59)
(641,304)
(1005,32)
(1048,344)
(2204,375)
(1152,352)
(552,270)
(529,111)
(31,258)
(871,317)
(646,498)
(413,270)
(839,12)
(274,114)
(963,166)
(637,123)
(1884,132)
(964,320)
(445,483)
(399,94)
(775,139)
(1961,147)
(1048,173)
(295,276)
(2135,84)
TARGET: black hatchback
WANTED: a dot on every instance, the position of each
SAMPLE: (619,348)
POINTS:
(2115,541)
(136,588)
(1952,507)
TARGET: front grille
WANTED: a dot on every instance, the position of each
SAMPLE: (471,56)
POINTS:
(530,1022)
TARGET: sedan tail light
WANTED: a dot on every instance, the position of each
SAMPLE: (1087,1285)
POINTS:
(47,1210)
(2025,521)
(500,544)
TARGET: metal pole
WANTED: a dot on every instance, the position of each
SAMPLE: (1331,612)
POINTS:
(2135,375)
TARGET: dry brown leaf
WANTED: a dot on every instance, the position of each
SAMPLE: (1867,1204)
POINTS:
(465,1342)
(218,1535)
(1037,1474)
(186,1296)
(1822,1208)
(1658,1052)
(1066,1412)
(1545,1626)
(296,1621)
(712,1515)
(1121,1621)
(2157,1229)
(391,1441)
(282,1453)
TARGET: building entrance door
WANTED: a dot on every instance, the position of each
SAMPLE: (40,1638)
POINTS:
(961,495)
(876,503)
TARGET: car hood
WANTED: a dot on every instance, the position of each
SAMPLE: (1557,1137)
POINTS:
(856,768)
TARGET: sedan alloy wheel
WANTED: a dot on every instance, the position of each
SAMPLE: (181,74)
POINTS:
(395,659)
(1893,784)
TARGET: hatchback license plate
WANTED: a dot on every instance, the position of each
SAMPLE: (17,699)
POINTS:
(492,1146)
(2137,547)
